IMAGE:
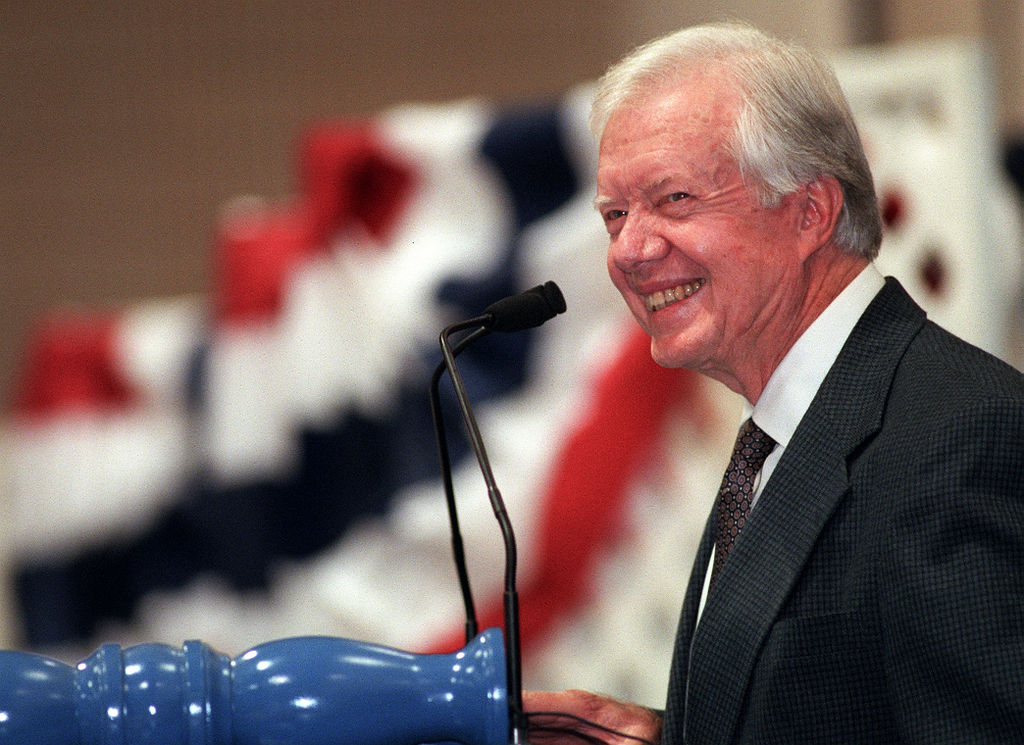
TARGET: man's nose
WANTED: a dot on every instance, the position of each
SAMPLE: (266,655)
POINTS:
(640,240)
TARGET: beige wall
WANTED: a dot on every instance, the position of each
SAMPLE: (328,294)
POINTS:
(125,126)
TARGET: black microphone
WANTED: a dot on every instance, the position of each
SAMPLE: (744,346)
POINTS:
(525,310)
(515,313)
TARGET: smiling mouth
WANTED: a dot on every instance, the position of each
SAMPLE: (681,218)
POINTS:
(664,298)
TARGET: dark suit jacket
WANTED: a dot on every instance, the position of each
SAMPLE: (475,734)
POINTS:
(876,594)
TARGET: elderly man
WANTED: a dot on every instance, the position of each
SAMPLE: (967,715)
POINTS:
(861,579)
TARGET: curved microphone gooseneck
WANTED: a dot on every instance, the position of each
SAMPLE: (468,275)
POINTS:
(458,551)
(515,313)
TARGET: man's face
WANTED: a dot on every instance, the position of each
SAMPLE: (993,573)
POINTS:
(708,272)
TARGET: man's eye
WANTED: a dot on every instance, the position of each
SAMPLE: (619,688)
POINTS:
(614,215)
(677,196)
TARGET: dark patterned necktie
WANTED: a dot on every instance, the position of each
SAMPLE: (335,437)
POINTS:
(736,493)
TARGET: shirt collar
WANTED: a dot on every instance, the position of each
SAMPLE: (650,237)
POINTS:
(795,382)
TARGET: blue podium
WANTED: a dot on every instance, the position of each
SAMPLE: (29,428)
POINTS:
(298,691)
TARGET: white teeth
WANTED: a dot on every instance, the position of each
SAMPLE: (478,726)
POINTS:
(664,298)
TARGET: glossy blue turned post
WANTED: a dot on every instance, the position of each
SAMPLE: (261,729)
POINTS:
(301,691)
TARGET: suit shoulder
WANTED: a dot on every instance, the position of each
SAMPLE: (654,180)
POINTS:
(944,366)
(944,387)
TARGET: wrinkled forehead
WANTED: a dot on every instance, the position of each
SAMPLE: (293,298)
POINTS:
(680,134)
(694,114)
(700,105)
(699,89)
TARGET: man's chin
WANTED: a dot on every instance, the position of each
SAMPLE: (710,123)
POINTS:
(672,355)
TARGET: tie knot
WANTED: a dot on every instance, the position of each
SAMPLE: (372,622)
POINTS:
(753,445)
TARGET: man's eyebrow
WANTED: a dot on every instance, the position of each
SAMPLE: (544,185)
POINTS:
(600,202)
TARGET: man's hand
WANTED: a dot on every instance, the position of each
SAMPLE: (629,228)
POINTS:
(569,717)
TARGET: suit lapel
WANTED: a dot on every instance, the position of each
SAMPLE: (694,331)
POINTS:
(678,681)
(754,584)
(695,588)
(807,485)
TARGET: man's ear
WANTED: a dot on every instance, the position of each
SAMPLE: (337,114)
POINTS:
(821,206)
